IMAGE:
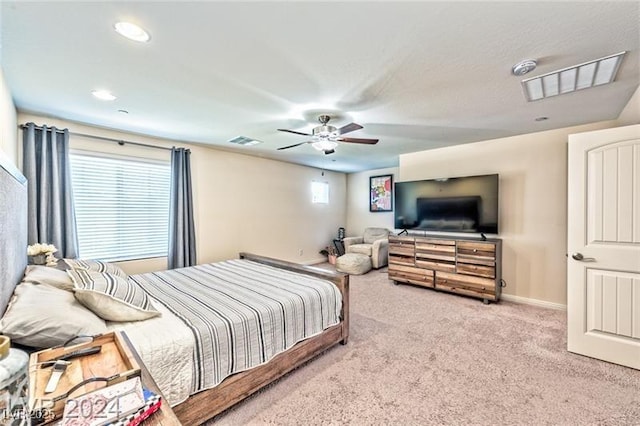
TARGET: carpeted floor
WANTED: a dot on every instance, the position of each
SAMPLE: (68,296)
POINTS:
(419,357)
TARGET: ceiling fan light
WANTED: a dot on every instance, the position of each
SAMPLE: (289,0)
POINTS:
(324,145)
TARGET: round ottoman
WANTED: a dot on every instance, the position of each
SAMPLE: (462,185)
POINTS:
(353,263)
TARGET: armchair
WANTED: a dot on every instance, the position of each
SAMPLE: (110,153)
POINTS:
(374,243)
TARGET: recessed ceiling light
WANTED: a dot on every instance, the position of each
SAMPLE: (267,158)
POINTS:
(104,95)
(132,32)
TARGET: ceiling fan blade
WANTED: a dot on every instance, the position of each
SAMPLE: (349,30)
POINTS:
(349,128)
(293,146)
(297,133)
(358,140)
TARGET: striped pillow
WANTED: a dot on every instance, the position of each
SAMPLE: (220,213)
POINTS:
(111,297)
(97,266)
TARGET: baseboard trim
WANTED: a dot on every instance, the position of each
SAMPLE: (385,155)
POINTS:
(314,261)
(535,302)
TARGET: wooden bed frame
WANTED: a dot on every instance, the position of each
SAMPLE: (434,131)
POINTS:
(206,404)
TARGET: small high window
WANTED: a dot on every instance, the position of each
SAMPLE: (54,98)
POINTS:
(320,192)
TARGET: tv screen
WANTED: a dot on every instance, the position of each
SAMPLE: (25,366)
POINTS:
(459,204)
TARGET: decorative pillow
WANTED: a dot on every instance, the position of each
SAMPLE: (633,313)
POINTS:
(37,274)
(96,266)
(42,316)
(111,297)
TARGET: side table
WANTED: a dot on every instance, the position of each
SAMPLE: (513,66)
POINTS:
(165,415)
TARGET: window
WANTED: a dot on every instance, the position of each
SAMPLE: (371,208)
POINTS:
(320,192)
(122,206)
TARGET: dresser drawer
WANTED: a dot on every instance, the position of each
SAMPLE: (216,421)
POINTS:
(442,246)
(477,270)
(394,239)
(475,248)
(401,260)
(439,255)
(466,281)
(411,275)
(476,252)
(402,250)
(467,291)
(436,265)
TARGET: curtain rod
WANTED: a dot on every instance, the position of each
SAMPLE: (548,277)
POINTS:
(102,138)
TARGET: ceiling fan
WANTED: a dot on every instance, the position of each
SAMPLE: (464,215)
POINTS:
(326,137)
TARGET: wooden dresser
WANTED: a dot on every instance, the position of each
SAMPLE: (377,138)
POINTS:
(471,267)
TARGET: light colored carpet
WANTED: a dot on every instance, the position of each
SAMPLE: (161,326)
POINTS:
(419,357)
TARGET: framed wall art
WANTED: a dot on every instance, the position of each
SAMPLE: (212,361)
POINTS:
(381,193)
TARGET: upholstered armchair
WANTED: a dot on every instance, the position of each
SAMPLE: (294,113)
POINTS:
(374,243)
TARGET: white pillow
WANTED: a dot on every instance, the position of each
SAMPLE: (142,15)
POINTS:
(37,274)
(111,297)
(42,316)
(96,266)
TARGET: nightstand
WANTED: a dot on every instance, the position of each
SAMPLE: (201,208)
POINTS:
(165,415)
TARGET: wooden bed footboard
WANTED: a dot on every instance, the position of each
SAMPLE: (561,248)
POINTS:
(208,403)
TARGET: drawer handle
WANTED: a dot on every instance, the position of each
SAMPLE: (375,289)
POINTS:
(475,250)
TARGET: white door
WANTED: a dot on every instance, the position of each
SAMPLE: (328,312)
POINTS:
(603,243)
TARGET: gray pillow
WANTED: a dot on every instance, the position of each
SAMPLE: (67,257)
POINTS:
(42,316)
(96,266)
(111,297)
(37,274)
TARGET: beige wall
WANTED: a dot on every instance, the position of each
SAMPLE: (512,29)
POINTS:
(533,202)
(268,209)
(533,198)
(631,113)
(358,214)
(8,123)
(242,203)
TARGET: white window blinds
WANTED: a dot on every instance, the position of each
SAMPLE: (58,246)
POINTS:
(122,206)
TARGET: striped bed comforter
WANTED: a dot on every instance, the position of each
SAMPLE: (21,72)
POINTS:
(242,313)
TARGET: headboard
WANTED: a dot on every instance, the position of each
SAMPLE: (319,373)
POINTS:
(13,229)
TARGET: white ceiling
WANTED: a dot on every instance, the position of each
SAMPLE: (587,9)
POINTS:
(416,75)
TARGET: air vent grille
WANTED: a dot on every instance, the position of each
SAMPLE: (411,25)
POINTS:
(244,141)
(582,76)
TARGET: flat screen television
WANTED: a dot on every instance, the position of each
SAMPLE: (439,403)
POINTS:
(458,204)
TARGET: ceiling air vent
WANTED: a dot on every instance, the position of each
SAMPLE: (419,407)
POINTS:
(582,76)
(244,141)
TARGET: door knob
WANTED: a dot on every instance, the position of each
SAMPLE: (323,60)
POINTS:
(580,257)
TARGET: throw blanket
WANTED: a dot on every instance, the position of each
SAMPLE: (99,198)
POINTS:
(242,313)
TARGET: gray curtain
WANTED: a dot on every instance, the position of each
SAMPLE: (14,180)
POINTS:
(46,165)
(182,235)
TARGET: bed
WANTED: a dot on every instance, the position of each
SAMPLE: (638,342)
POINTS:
(176,333)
